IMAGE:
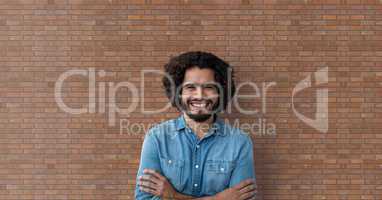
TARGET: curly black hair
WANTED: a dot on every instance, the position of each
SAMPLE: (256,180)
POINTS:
(176,68)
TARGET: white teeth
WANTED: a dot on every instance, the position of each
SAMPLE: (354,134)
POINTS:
(199,105)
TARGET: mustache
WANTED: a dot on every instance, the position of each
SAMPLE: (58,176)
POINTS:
(199,100)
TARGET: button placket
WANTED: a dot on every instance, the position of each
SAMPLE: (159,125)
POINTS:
(196,152)
(196,172)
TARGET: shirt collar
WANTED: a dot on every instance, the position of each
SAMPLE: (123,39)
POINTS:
(217,126)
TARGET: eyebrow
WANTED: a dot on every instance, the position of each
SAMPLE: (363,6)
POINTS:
(189,82)
(206,83)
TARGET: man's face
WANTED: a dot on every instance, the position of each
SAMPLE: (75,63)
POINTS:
(200,93)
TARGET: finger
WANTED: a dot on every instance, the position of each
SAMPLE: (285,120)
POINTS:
(149,178)
(148,190)
(154,173)
(248,195)
(244,183)
(147,184)
(248,188)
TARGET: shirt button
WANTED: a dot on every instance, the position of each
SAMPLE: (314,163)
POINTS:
(197,146)
(196,166)
(195,185)
(169,161)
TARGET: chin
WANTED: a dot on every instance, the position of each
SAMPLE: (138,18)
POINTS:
(199,117)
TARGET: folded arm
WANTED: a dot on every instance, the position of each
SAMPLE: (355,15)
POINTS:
(152,185)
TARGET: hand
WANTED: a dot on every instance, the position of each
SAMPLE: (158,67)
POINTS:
(242,191)
(154,183)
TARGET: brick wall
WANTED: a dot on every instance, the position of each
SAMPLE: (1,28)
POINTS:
(48,153)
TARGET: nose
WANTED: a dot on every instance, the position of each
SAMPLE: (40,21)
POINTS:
(198,93)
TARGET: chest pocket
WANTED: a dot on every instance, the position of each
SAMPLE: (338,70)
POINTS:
(173,170)
(217,175)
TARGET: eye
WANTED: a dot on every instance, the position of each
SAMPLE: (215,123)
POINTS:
(210,87)
(189,87)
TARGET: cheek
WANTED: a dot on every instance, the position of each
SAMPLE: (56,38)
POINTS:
(184,98)
(214,98)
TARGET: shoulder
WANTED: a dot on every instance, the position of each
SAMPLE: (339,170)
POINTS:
(235,134)
(163,128)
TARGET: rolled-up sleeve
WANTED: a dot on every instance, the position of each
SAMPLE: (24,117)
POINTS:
(149,160)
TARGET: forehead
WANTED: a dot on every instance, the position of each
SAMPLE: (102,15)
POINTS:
(197,75)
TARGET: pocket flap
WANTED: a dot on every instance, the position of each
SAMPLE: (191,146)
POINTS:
(219,166)
(172,162)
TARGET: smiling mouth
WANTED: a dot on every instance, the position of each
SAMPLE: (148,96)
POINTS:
(199,105)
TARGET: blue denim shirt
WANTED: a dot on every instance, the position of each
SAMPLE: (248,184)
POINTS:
(197,167)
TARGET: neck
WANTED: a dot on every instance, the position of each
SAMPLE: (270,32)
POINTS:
(200,128)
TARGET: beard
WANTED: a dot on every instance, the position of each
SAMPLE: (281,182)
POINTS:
(199,117)
(199,110)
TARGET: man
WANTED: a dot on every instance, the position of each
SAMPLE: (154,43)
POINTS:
(197,155)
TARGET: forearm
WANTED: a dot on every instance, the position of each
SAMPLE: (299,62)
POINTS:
(180,196)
